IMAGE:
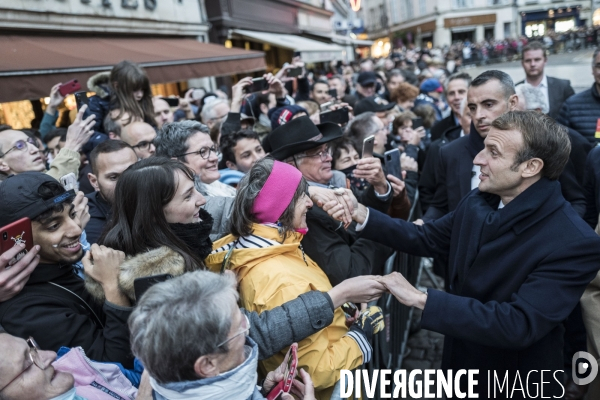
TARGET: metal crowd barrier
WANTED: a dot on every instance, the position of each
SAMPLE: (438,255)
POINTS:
(389,346)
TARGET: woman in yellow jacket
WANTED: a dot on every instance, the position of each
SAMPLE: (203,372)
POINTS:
(264,250)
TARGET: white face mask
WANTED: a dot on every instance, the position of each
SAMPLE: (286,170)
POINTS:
(239,383)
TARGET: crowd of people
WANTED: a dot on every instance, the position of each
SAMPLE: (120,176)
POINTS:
(180,247)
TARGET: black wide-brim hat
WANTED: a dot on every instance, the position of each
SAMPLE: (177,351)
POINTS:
(298,135)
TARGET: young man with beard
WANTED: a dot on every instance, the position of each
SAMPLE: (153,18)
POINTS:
(54,306)
(108,161)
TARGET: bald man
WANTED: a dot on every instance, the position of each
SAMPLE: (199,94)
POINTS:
(140,136)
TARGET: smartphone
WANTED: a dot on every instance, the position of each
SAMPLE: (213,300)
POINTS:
(349,309)
(333,93)
(69,182)
(297,54)
(294,72)
(417,123)
(70,87)
(19,232)
(392,163)
(140,285)
(367,150)
(284,386)
(172,101)
(258,85)
(339,116)
(81,99)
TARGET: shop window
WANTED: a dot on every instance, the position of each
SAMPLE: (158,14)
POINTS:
(535,29)
(596,17)
(564,25)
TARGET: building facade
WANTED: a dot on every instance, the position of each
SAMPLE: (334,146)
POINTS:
(427,23)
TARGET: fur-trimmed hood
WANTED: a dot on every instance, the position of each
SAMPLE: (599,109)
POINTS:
(161,260)
(100,84)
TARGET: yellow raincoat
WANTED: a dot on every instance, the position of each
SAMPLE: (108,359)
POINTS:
(270,276)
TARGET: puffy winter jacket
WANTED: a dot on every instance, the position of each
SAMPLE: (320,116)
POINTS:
(582,113)
(272,275)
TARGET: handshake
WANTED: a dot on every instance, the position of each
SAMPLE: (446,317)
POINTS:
(364,289)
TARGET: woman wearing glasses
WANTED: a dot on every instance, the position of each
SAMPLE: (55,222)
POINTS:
(264,250)
(158,222)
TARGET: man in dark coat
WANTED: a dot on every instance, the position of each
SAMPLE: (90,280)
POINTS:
(555,91)
(335,249)
(54,307)
(455,90)
(519,258)
(108,161)
(591,187)
(582,111)
(490,95)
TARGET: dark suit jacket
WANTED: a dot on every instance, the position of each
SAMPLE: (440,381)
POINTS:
(515,276)
(427,182)
(559,90)
(442,126)
(454,171)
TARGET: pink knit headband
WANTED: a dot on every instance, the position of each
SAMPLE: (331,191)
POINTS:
(277,193)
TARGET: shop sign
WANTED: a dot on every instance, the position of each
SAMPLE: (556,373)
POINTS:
(470,20)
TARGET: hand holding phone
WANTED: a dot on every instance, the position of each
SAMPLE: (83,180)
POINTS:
(368,143)
(258,85)
(290,363)
(294,72)
(17,233)
(70,87)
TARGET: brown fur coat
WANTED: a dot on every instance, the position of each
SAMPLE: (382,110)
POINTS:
(162,260)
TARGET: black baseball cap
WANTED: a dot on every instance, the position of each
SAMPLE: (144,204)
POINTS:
(372,104)
(366,78)
(20,197)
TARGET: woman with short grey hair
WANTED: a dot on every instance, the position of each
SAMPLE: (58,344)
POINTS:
(192,339)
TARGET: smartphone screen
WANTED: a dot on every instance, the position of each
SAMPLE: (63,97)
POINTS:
(333,93)
(172,101)
(367,150)
(294,72)
(258,85)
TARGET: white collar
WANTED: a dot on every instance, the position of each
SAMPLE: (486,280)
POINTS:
(543,82)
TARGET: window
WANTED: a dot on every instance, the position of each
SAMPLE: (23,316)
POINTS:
(422,7)
(462,3)
(409,8)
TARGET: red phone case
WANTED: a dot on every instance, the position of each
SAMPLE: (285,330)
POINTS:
(16,233)
(70,87)
(285,385)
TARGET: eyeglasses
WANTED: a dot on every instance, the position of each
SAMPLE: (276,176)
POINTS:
(204,152)
(34,358)
(144,145)
(21,145)
(245,330)
(323,154)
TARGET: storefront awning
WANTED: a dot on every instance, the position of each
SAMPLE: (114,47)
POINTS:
(30,65)
(312,50)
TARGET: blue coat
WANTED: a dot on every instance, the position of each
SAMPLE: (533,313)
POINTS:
(515,274)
